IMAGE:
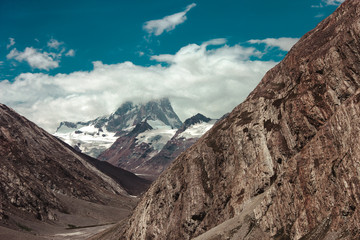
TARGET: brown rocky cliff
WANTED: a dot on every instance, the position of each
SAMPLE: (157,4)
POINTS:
(289,143)
(37,171)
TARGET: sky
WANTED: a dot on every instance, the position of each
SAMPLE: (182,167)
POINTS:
(77,60)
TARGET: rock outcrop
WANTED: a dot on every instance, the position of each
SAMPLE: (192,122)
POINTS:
(283,164)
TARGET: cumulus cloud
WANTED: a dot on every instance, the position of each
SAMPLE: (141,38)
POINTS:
(40,59)
(70,53)
(196,79)
(53,43)
(36,59)
(168,23)
(283,43)
(11,43)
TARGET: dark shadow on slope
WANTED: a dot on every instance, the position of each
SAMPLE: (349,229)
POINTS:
(132,184)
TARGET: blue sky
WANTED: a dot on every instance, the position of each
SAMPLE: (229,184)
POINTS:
(75,60)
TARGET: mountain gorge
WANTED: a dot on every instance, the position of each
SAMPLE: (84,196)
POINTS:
(45,181)
(284,164)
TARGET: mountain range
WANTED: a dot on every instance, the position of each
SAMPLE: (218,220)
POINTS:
(147,150)
(141,138)
(95,136)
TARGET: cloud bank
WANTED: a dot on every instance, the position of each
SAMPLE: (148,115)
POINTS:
(196,79)
(168,23)
(283,43)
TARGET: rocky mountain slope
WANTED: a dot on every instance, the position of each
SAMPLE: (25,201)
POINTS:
(43,180)
(150,147)
(192,129)
(95,136)
(284,164)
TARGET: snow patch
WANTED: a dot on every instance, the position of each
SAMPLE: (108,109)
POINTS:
(157,138)
(196,130)
(158,124)
(89,139)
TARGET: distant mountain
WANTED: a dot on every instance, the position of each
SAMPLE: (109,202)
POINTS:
(95,136)
(142,138)
(149,148)
(42,179)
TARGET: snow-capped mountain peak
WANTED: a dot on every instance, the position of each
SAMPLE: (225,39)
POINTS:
(148,153)
(95,136)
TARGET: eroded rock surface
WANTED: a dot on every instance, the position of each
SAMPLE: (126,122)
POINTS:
(293,142)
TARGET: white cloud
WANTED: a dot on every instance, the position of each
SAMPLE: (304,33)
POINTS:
(168,23)
(36,59)
(11,43)
(317,6)
(197,79)
(53,43)
(333,2)
(70,53)
(328,3)
(284,44)
(320,15)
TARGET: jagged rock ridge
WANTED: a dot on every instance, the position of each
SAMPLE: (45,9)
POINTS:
(284,164)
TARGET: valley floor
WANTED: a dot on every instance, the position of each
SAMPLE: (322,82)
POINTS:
(84,220)
(62,234)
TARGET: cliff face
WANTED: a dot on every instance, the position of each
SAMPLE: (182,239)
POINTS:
(284,163)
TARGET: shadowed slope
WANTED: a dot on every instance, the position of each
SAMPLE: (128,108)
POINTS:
(44,180)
